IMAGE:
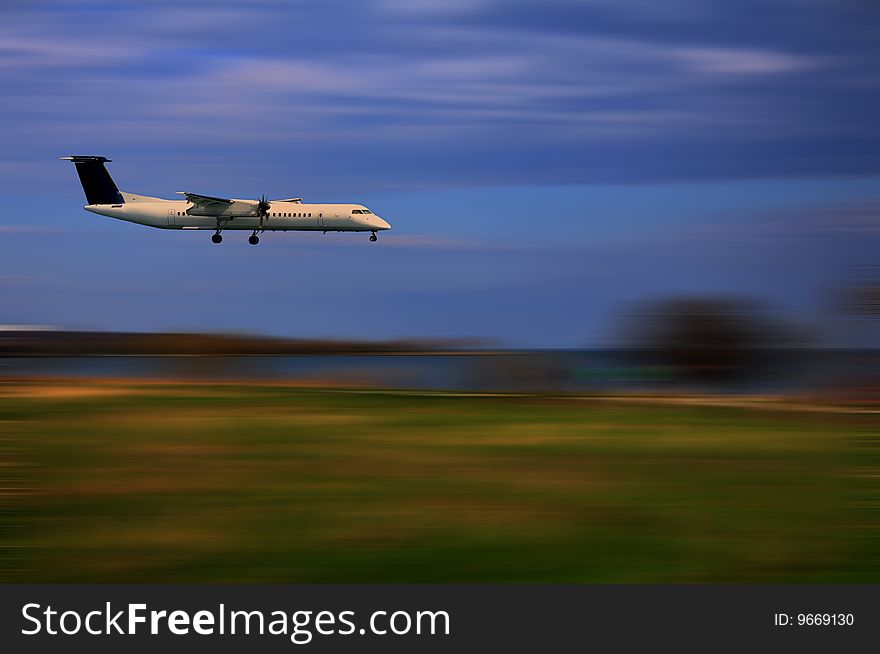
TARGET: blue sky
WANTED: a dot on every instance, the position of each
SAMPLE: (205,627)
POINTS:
(544,165)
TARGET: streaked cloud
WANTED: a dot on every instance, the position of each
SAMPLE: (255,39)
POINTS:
(409,7)
(481,89)
(23,229)
(742,61)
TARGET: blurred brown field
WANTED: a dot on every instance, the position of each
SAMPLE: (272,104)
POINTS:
(121,481)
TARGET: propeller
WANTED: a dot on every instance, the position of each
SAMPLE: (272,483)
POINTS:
(263,207)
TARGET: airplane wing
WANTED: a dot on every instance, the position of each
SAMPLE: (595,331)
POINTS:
(204,201)
(295,200)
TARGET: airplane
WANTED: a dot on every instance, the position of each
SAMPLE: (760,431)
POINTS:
(218,214)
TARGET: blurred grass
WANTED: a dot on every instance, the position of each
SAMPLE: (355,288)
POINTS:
(212,483)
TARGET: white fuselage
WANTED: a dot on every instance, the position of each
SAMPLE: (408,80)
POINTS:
(282,216)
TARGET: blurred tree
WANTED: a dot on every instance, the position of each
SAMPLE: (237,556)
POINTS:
(862,297)
(858,301)
(710,339)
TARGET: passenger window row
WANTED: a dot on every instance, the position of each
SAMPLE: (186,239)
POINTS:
(301,214)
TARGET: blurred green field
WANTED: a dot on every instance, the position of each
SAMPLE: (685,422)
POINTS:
(213,483)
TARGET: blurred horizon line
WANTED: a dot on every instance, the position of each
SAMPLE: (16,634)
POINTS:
(25,340)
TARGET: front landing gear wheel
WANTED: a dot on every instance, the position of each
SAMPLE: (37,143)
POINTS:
(373,237)
(254,239)
(216,238)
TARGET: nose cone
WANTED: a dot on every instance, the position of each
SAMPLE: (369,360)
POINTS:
(382,224)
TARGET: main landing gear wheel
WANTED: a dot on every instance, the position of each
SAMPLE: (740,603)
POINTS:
(216,238)
(373,237)
(254,239)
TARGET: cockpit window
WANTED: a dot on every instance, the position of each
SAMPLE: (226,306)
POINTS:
(356,211)
(366,211)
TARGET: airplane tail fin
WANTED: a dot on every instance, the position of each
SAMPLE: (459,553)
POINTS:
(96,181)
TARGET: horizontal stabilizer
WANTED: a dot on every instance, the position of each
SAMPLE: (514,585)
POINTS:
(79,158)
